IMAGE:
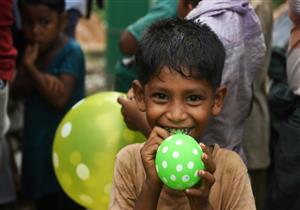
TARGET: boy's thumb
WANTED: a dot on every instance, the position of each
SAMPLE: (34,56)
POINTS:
(121,99)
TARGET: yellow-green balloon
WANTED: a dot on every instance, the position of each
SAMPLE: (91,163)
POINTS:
(85,145)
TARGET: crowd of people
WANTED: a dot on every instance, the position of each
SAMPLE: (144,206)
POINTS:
(195,65)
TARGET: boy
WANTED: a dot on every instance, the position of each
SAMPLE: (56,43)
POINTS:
(180,66)
(238,27)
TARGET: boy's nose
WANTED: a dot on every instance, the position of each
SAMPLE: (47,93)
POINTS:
(176,113)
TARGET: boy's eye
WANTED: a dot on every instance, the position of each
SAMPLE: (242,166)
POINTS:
(159,96)
(44,21)
(194,99)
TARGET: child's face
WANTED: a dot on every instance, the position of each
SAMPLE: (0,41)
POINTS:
(173,101)
(41,25)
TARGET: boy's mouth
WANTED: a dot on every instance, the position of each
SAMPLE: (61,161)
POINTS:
(178,130)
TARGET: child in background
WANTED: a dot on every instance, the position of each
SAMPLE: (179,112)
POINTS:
(51,80)
(180,69)
(126,68)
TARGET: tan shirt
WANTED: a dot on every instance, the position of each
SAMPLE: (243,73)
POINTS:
(232,189)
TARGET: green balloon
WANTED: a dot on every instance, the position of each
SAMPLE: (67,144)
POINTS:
(86,142)
(178,159)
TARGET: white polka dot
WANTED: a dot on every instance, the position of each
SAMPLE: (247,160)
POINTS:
(66,130)
(82,171)
(164,164)
(165,149)
(164,180)
(86,199)
(190,165)
(195,151)
(55,160)
(78,103)
(179,168)
(186,178)
(196,173)
(156,168)
(169,138)
(173,177)
(179,142)
(175,154)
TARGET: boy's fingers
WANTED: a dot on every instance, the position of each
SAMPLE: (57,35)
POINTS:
(207,159)
(121,100)
(194,192)
(130,93)
(158,131)
(208,179)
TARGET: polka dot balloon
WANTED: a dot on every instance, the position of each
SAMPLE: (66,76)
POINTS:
(85,145)
(178,159)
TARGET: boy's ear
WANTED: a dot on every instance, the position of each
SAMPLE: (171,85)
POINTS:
(219,97)
(63,21)
(138,90)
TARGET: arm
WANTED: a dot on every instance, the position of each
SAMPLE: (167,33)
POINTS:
(8,52)
(133,117)
(161,9)
(294,14)
(7,60)
(152,185)
(56,90)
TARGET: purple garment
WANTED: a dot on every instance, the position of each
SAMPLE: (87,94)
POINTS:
(238,27)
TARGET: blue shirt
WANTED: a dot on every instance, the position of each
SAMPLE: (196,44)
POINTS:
(41,120)
(159,10)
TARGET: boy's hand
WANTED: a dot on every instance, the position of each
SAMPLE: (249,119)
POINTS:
(133,117)
(148,153)
(199,197)
(30,55)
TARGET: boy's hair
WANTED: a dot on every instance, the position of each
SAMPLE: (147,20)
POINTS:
(181,45)
(55,5)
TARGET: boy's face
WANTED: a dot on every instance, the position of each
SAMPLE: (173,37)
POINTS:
(41,25)
(173,101)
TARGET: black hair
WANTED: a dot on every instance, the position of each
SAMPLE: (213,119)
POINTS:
(181,45)
(55,5)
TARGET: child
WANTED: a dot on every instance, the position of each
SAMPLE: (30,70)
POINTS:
(180,66)
(238,27)
(51,80)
